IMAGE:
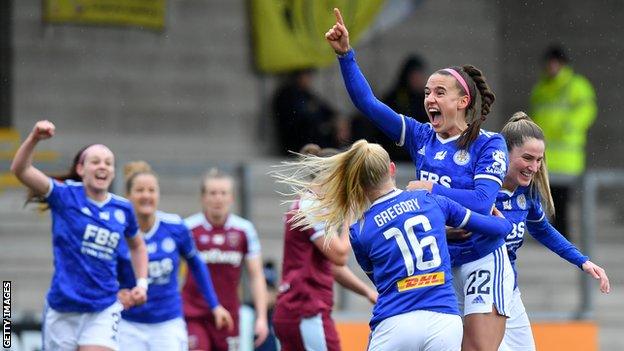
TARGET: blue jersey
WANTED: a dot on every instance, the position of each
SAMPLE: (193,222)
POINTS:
(167,240)
(400,243)
(443,163)
(471,177)
(523,209)
(85,239)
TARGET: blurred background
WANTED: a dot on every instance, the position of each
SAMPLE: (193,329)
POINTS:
(191,84)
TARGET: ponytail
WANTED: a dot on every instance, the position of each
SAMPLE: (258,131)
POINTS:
(341,184)
(481,100)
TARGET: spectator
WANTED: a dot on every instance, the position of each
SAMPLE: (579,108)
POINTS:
(563,104)
(405,97)
(300,115)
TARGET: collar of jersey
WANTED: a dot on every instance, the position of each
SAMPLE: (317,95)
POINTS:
(447,140)
(99,204)
(394,192)
(507,192)
(153,229)
(209,226)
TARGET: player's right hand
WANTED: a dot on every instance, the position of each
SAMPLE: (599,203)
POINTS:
(125,298)
(338,35)
(223,318)
(43,130)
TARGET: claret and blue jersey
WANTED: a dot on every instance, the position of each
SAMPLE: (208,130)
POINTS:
(400,243)
(166,241)
(523,209)
(85,237)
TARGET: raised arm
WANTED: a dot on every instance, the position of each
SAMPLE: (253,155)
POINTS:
(388,121)
(22,165)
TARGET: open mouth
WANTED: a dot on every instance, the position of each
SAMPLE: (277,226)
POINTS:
(435,116)
(526,174)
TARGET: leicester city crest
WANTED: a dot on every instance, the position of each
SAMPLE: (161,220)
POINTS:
(461,157)
(521,201)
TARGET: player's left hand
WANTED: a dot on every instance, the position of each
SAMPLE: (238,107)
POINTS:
(419,184)
(597,272)
(261,330)
(139,295)
(223,318)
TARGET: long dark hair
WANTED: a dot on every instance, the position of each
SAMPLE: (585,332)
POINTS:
(71,174)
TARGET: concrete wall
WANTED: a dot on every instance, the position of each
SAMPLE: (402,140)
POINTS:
(592,31)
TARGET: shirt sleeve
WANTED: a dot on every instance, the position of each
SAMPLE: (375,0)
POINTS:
(132,228)
(203,279)
(460,217)
(382,116)
(361,255)
(492,160)
(186,245)
(546,234)
(480,199)
(56,194)
(253,243)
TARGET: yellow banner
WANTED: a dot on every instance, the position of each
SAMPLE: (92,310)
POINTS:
(420,281)
(290,34)
(140,13)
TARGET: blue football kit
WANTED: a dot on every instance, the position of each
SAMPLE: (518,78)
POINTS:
(166,241)
(471,177)
(400,242)
(523,209)
(85,238)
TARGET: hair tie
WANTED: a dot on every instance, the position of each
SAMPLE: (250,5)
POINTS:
(461,81)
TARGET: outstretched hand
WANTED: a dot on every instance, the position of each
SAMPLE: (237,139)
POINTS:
(338,35)
(598,273)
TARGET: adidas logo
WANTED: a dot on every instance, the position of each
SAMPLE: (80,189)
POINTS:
(421,151)
(478,299)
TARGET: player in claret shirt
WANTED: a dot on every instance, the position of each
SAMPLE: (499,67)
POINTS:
(302,317)
(399,240)
(455,158)
(158,324)
(88,224)
(225,241)
(525,189)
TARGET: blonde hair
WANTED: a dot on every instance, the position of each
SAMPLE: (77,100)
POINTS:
(340,183)
(134,168)
(516,131)
(215,173)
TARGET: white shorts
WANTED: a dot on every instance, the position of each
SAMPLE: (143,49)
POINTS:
(165,336)
(518,334)
(485,282)
(66,331)
(418,330)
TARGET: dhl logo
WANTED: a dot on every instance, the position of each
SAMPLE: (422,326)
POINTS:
(421,281)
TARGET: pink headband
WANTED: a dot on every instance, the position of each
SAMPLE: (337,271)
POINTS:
(83,154)
(461,81)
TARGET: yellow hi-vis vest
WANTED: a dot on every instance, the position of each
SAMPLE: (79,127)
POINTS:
(564,107)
